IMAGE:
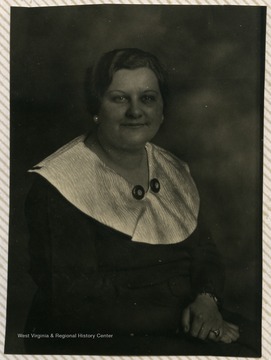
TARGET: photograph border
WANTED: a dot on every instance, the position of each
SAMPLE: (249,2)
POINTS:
(5,10)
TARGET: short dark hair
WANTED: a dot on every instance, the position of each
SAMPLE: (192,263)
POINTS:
(99,77)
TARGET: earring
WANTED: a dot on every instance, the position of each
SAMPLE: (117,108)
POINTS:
(96,119)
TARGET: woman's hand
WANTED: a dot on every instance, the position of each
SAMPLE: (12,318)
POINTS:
(201,318)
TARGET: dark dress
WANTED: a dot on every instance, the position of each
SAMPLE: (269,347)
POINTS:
(99,292)
(94,280)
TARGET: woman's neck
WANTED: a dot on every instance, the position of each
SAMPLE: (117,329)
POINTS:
(125,158)
(130,164)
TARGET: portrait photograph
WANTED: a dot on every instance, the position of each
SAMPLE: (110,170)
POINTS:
(136,162)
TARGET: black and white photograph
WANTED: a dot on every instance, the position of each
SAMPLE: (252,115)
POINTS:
(136,151)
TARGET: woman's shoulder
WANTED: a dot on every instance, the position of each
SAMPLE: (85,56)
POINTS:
(67,151)
(62,168)
(36,202)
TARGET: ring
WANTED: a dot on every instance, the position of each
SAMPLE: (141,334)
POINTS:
(216,332)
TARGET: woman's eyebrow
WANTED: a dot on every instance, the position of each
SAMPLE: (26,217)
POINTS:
(151,90)
(115,90)
(124,91)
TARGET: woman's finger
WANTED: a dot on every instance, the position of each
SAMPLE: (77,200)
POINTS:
(231,332)
(233,335)
(212,336)
(204,332)
(196,325)
(226,339)
(232,326)
(186,320)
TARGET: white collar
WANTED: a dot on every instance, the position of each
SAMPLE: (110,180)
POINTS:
(166,217)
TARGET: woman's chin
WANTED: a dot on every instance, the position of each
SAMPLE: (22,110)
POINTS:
(136,138)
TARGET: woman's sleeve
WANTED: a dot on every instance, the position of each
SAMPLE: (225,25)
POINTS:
(207,268)
(63,260)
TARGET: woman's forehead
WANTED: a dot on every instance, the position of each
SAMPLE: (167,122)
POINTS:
(141,78)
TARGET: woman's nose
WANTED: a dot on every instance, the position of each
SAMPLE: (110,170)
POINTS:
(134,110)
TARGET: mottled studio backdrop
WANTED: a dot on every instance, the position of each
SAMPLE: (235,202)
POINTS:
(214,56)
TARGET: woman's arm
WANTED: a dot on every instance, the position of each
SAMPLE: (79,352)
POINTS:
(202,317)
(207,268)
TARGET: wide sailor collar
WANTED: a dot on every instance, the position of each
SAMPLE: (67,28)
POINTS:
(166,217)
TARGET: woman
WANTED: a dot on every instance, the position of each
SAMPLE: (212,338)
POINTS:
(118,249)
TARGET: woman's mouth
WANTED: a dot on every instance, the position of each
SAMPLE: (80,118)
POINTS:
(133,125)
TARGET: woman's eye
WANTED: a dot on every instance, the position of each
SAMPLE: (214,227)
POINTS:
(119,99)
(148,98)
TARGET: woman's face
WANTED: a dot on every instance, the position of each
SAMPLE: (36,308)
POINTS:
(131,109)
